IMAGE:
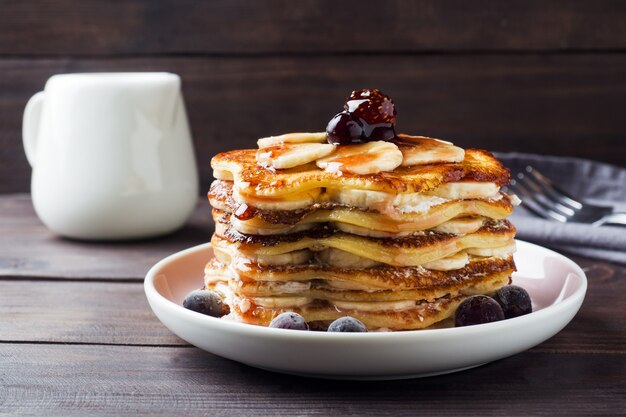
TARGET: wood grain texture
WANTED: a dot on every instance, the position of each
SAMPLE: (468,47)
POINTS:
(79,312)
(68,27)
(121,380)
(30,250)
(564,104)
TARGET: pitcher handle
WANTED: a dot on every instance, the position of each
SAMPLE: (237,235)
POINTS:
(30,126)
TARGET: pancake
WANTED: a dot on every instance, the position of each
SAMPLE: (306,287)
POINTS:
(395,233)
(254,181)
(263,294)
(416,249)
(393,315)
(250,220)
(381,283)
(396,298)
(418,150)
(423,315)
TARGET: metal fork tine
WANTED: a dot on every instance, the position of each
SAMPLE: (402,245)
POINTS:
(553,189)
(542,192)
(526,200)
(537,207)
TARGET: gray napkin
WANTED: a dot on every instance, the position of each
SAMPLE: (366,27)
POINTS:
(593,182)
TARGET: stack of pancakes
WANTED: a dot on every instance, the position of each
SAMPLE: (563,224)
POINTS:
(397,250)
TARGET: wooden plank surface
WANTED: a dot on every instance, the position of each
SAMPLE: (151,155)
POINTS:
(30,250)
(563,104)
(67,27)
(79,312)
(164,381)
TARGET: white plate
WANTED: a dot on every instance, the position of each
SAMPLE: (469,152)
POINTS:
(556,285)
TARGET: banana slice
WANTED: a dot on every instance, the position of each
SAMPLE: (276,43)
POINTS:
(456,261)
(281,302)
(460,225)
(374,305)
(364,231)
(420,150)
(383,202)
(361,198)
(292,155)
(342,259)
(271,229)
(291,258)
(291,202)
(228,254)
(363,159)
(499,252)
(281,289)
(291,138)
(465,190)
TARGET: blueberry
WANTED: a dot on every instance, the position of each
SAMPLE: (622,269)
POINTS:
(514,301)
(343,129)
(289,320)
(347,324)
(205,302)
(477,309)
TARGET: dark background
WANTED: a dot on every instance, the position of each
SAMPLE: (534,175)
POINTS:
(533,76)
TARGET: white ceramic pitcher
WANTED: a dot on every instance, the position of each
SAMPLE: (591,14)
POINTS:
(112,155)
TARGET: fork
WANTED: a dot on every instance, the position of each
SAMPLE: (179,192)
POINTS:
(544,199)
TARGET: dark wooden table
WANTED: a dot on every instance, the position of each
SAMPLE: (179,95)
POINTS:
(77,338)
